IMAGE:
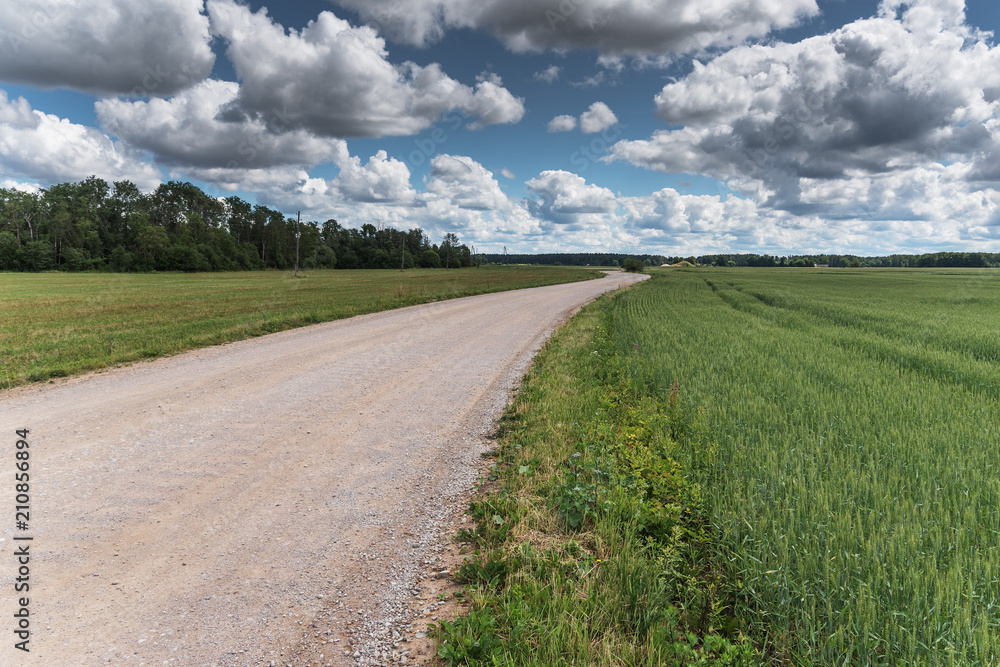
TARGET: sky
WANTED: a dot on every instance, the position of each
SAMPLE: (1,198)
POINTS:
(675,127)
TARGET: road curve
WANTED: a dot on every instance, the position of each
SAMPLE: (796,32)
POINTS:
(230,505)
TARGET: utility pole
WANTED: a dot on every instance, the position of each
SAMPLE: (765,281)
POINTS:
(402,250)
(298,233)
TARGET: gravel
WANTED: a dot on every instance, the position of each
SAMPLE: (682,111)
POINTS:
(286,500)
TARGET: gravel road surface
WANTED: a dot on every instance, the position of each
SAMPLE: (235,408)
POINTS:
(282,500)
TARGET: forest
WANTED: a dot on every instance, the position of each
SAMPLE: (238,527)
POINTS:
(978,260)
(575,259)
(95,226)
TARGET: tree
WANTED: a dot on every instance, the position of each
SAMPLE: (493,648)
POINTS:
(448,249)
(36,256)
(8,252)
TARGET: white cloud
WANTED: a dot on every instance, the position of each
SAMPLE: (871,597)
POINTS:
(548,75)
(597,118)
(382,179)
(625,27)
(882,95)
(155,47)
(919,211)
(507,173)
(335,79)
(563,123)
(465,183)
(10,184)
(566,198)
(190,129)
(48,149)
(492,104)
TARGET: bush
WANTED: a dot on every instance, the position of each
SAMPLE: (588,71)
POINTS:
(633,265)
(182,257)
(325,257)
(430,260)
(121,260)
(36,256)
(74,259)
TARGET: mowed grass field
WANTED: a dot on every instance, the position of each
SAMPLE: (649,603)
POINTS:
(856,491)
(58,324)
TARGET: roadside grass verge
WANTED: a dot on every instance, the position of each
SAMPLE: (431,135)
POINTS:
(593,546)
(59,324)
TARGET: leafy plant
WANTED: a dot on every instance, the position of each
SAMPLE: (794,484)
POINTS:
(469,640)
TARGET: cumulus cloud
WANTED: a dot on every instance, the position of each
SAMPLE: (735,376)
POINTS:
(563,123)
(335,79)
(11,184)
(548,75)
(507,173)
(381,179)
(492,104)
(465,183)
(155,47)
(43,147)
(597,118)
(899,92)
(189,129)
(566,198)
(626,27)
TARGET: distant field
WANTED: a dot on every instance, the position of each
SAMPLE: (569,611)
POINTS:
(857,491)
(58,324)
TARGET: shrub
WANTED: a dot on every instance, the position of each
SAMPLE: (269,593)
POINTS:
(633,265)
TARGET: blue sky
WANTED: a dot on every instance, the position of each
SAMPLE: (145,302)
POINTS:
(558,125)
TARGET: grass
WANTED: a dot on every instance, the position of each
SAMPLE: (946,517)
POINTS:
(806,458)
(857,486)
(591,547)
(59,324)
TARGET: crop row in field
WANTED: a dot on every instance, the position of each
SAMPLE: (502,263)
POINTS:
(857,483)
(57,324)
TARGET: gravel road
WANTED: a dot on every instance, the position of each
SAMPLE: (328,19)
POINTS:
(281,500)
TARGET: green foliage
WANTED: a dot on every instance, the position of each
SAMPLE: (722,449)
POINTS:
(594,549)
(633,265)
(430,259)
(468,641)
(177,227)
(36,256)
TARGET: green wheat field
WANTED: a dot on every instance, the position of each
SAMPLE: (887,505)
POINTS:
(857,487)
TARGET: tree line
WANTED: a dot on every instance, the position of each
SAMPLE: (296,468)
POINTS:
(96,226)
(926,260)
(978,260)
(574,259)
